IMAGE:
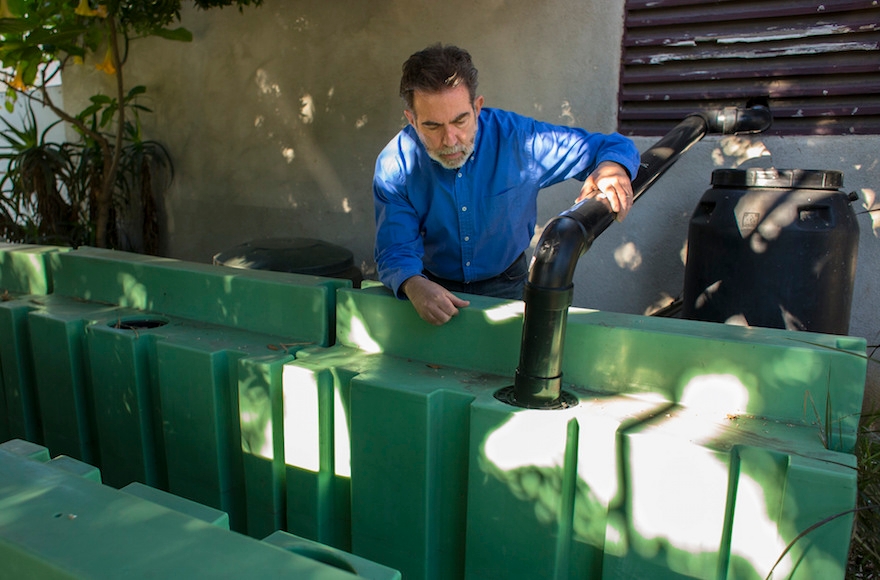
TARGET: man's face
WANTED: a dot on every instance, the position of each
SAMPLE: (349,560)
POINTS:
(446,123)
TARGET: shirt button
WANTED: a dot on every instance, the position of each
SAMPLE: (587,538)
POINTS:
(459,174)
(467,264)
(467,238)
(464,208)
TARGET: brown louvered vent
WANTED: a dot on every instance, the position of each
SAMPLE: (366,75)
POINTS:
(816,64)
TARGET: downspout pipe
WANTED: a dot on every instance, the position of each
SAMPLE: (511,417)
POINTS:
(549,290)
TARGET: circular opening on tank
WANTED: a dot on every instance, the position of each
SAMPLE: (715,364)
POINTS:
(138,323)
(323,556)
(294,255)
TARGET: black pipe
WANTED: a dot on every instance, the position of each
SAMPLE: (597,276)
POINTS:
(549,289)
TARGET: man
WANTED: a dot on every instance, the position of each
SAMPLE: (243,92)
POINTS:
(456,190)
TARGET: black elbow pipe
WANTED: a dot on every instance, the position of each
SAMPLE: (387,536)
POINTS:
(549,290)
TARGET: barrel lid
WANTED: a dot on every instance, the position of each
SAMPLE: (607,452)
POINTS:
(297,255)
(787,178)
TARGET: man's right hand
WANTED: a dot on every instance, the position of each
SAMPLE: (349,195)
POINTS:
(434,303)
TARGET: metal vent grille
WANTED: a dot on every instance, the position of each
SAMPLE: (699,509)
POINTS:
(816,64)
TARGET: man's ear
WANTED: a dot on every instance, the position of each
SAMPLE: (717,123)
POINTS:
(478,105)
(410,117)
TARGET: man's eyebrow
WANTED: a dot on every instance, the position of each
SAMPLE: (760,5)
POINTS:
(455,120)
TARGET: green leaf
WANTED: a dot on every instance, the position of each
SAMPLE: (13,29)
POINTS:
(135,91)
(29,74)
(89,111)
(107,115)
(14,26)
(180,34)
(17,7)
(58,35)
(75,51)
(93,38)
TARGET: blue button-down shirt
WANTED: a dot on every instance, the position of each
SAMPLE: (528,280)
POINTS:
(471,223)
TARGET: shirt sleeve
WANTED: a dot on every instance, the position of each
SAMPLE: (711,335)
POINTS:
(399,248)
(561,152)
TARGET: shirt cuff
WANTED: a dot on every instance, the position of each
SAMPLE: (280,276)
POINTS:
(397,284)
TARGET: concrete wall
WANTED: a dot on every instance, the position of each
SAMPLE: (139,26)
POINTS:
(274,117)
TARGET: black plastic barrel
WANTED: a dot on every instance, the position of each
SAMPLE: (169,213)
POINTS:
(774,248)
(294,255)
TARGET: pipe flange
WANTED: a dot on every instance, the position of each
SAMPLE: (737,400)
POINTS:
(565,400)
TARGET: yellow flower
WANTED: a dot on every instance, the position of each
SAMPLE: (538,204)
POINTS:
(84,10)
(18,83)
(4,10)
(77,60)
(107,64)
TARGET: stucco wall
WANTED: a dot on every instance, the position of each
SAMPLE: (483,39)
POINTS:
(274,117)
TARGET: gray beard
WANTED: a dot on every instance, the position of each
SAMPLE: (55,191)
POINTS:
(457,164)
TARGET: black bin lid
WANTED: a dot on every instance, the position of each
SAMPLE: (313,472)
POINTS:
(786,178)
(295,255)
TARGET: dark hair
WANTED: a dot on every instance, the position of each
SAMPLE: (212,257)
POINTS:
(435,69)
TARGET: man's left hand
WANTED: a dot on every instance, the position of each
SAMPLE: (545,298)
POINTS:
(611,184)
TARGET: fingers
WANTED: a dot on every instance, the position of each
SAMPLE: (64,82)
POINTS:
(459,302)
(612,194)
(618,199)
(610,184)
(441,310)
(622,198)
(434,304)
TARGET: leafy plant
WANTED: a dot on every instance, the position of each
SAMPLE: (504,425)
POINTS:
(864,559)
(39,193)
(145,170)
(47,194)
(40,38)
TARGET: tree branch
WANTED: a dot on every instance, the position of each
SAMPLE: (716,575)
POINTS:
(110,173)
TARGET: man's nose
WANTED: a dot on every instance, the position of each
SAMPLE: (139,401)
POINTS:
(450,137)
